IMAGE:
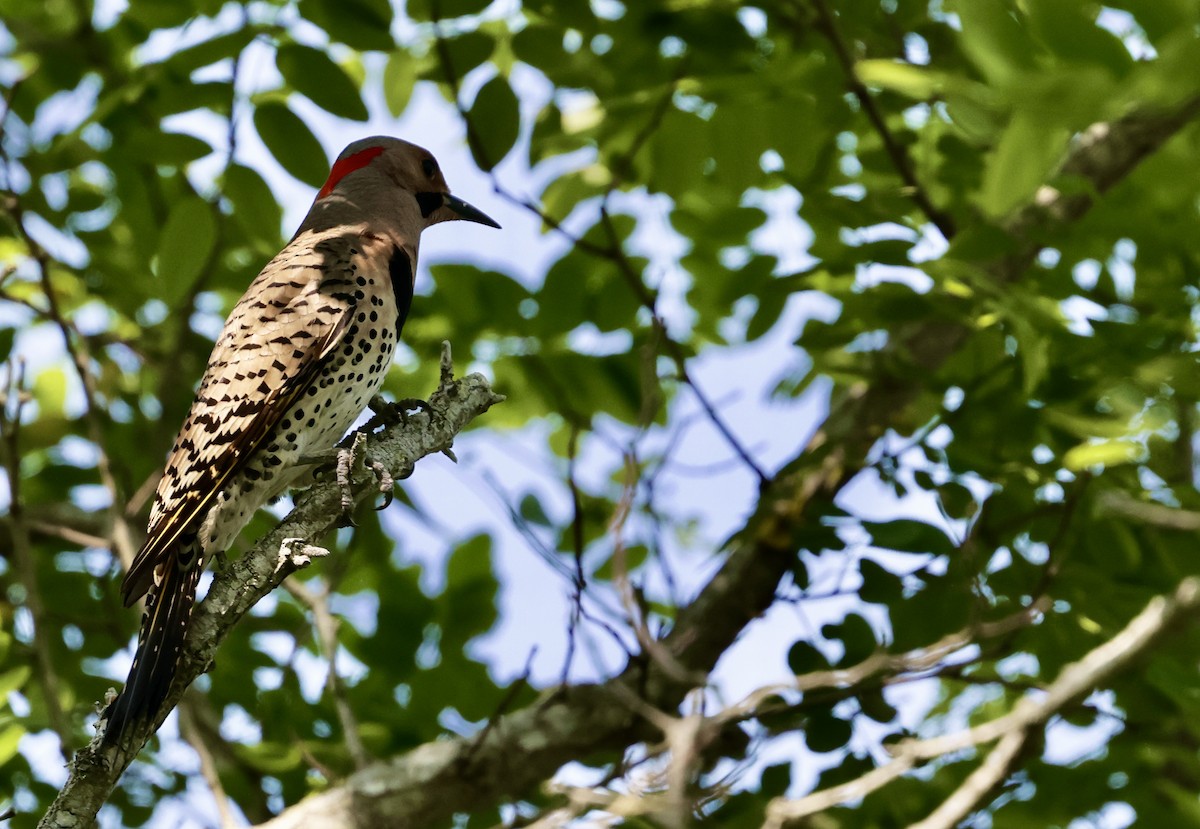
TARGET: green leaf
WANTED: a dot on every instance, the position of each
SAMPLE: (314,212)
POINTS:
(361,24)
(539,45)
(856,635)
(255,207)
(879,585)
(824,732)
(269,758)
(292,143)
(446,9)
(312,73)
(995,38)
(1069,29)
(1106,453)
(160,14)
(914,81)
(470,605)
(803,658)
(532,511)
(470,564)
(10,738)
(11,680)
(399,78)
(908,536)
(184,247)
(159,147)
(1028,150)
(635,556)
(495,121)
(776,779)
(876,707)
(464,52)
(212,50)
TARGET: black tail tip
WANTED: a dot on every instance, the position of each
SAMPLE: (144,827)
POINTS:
(117,720)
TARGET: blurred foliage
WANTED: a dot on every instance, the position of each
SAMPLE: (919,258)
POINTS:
(1076,385)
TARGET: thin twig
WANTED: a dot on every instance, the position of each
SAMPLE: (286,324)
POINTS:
(684,738)
(979,783)
(189,728)
(1032,711)
(68,534)
(920,660)
(613,252)
(121,535)
(12,402)
(579,582)
(630,598)
(327,625)
(675,351)
(1123,505)
(827,24)
(510,696)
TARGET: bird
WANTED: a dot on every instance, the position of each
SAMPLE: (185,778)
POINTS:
(300,356)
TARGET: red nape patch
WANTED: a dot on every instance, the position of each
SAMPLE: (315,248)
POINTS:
(346,166)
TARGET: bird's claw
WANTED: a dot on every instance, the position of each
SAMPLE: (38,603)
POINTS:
(387,484)
(388,413)
(345,462)
(343,467)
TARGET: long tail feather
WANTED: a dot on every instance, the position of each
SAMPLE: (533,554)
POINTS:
(160,644)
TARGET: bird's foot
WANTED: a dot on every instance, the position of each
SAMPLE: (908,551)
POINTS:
(388,413)
(346,456)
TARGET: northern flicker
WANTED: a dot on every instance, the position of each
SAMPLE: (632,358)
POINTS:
(300,356)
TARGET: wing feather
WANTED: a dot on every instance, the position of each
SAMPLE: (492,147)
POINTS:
(271,349)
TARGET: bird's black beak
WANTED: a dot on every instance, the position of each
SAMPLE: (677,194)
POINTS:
(431,202)
(468,213)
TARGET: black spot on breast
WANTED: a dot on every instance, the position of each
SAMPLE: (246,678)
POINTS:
(400,269)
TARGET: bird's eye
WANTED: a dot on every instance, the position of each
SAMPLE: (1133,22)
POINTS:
(429,166)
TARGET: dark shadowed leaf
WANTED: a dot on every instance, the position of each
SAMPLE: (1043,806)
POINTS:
(291,142)
(312,73)
(254,205)
(184,247)
(361,24)
(495,122)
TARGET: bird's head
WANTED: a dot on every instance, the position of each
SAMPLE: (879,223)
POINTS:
(404,169)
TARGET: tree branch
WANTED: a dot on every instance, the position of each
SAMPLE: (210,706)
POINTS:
(95,769)
(428,785)
(1074,682)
